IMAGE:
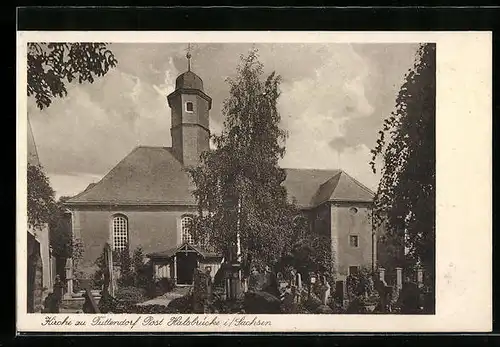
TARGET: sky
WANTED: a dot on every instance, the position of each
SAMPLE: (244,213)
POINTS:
(334,98)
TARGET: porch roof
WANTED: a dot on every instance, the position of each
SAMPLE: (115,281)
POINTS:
(169,253)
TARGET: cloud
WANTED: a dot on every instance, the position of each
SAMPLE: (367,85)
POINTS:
(334,99)
(316,109)
(355,161)
(96,125)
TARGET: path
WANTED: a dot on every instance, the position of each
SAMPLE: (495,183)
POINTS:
(165,299)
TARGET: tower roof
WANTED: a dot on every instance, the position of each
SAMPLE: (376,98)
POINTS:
(189,80)
(32,152)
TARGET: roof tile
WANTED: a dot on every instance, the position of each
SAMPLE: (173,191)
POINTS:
(152,175)
(148,175)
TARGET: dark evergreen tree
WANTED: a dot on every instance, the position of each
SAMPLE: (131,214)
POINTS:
(405,201)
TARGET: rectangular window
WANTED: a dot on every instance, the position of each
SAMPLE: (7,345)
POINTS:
(189,106)
(354,241)
(353,270)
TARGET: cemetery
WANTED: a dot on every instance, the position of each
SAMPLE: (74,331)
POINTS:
(263,291)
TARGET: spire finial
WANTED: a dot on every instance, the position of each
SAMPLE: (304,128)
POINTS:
(188,56)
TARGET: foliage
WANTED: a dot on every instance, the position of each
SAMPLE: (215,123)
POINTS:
(261,302)
(201,291)
(162,286)
(130,294)
(337,308)
(184,304)
(228,306)
(61,238)
(312,302)
(405,200)
(145,309)
(294,308)
(311,254)
(238,185)
(108,304)
(127,277)
(77,250)
(98,277)
(361,288)
(142,272)
(50,65)
(133,271)
(41,202)
(361,291)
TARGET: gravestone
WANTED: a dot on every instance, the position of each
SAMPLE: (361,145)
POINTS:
(325,291)
(399,278)
(68,268)
(90,305)
(339,291)
(381,272)
(420,277)
(292,274)
(299,281)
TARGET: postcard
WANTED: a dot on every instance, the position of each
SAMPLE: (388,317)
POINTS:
(254,182)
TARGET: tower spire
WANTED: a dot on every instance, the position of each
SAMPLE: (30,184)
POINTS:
(188,56)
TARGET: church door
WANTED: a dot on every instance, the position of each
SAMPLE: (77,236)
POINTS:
(186,264)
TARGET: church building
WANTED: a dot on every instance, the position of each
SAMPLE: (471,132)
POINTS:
(146,200)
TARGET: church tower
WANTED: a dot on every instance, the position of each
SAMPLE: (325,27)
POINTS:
(190,108)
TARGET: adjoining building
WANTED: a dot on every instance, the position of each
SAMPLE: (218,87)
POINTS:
(40,262)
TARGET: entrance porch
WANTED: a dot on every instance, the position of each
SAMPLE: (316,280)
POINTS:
(180,262)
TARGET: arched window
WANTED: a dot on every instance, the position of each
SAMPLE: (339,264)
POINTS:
(189,106)
(120,232)
(186,222)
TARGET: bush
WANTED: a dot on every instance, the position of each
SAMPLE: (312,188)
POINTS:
(261,303)
(312,303)
(142,272)
(227,306)
(184,304)
(361,290)
(323,309)
(109,304)
(130,294)
(162,286)
(133,271)
(290,306)
(127,273)
(337,307)
(146,309)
